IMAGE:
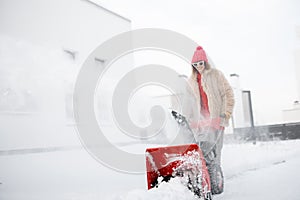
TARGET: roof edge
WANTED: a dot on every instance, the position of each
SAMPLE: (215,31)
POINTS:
(106,9)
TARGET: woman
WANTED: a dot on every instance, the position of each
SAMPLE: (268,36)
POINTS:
(213,99)
(209,112)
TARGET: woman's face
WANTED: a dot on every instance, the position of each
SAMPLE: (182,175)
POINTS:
(199,66)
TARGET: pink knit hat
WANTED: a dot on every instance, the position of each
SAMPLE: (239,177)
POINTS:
(199,54)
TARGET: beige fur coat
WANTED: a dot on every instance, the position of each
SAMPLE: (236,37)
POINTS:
(219,94)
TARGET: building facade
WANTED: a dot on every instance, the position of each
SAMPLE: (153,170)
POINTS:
(43,44)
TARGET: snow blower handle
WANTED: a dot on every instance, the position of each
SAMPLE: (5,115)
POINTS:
(214,123)
(181,120)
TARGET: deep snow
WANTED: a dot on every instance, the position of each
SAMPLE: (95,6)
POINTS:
(267,170)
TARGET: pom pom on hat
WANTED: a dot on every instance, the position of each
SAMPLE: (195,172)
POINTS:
(199,54)
(199,48)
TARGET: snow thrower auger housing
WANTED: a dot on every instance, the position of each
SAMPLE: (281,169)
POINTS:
(185,161)
(195,165)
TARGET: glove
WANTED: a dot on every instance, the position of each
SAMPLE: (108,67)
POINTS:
(226,115)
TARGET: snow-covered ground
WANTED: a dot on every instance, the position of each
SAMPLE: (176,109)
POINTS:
(267,170)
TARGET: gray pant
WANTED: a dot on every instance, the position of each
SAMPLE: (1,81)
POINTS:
(211,141)
(219,147)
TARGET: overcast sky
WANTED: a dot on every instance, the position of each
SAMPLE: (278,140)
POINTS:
(254,38)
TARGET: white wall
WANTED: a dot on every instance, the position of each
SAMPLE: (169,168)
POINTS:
(292,115)
(238,112)
(33,35)
(75,24)
(297,66)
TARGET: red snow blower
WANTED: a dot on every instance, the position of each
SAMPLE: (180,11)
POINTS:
(193,165)
(179,161)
